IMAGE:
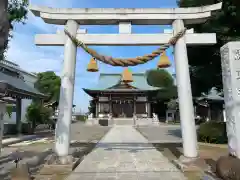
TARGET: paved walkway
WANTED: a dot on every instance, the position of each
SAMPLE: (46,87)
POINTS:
(125,154)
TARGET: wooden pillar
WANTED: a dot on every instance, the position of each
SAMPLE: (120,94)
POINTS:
(110,104)
(209,112)
(97,109)
(149,109)
(18,115)
(134,106)
(2,112)
(134,111)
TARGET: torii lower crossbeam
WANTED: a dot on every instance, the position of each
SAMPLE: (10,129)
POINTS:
(124,39)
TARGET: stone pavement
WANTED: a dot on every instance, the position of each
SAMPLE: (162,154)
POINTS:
(124,154)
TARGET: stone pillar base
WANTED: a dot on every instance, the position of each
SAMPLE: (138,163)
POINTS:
(65,160)
(62,160)
(191,164)
(185,160)
(58,166)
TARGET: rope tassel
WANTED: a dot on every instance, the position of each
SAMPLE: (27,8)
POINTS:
(127,61)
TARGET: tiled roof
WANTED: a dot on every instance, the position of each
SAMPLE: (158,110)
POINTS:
(213,95)
(106,81)
(15,86)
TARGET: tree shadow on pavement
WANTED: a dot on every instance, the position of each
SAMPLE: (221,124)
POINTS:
(174,148)
(81,149)
(175,132)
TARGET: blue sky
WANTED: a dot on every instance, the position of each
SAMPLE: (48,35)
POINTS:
(37,59)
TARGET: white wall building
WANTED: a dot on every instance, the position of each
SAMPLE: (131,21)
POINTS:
(29,79)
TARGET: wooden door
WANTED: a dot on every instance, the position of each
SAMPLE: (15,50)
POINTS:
(128,109)
(116,109)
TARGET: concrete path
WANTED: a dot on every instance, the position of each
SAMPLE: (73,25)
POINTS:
(125,154)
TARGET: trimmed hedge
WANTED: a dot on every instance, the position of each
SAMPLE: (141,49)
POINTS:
(212,132)
(82,118)
(11,129)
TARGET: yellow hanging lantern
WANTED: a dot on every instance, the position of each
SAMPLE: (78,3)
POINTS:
(127,76)
(92,66)
(164,61)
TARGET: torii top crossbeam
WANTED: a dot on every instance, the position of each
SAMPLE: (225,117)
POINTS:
(113,16)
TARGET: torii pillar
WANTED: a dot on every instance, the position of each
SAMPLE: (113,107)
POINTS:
(125,18)
(66,94)
(185,94)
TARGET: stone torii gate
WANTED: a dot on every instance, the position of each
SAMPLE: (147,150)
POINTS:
(177,17)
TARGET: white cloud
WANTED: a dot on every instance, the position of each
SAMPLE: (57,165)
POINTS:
(40,24)
(31,58)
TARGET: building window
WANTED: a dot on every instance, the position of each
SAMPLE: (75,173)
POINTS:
(104,108)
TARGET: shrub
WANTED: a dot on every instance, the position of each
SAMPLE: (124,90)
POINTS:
(11,129)
(38,114)
(81,118)
(212,132)
(9,110)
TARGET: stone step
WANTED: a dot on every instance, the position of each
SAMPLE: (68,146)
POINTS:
(127,121)
(123,122)
(148,121)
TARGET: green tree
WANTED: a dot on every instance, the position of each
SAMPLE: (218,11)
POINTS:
(91,107)
(161,78)
(9,110)
(205,61)
(11,11)
(49,83)
(38,114)
(172,104)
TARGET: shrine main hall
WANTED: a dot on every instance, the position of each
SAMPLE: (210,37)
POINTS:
(122,95)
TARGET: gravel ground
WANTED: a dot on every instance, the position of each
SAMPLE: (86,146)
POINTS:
(35,153)
(83,133)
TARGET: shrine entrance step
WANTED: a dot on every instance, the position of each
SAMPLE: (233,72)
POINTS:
(123,121)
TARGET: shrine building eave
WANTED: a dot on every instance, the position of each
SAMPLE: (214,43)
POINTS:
(118,91)
(17,88)
(111,83)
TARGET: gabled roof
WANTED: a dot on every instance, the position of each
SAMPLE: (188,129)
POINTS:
(13,86)
(15,67)
(107,81)
(213,95)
